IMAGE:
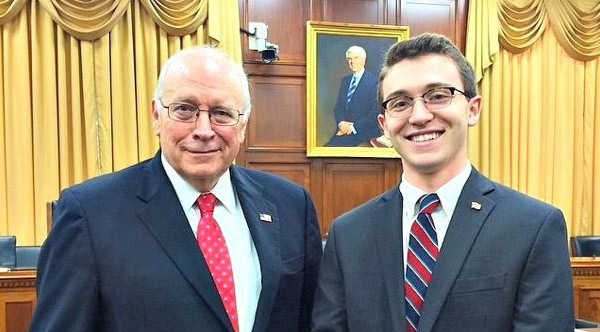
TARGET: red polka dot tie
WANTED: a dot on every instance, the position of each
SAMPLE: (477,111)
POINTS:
(213,246)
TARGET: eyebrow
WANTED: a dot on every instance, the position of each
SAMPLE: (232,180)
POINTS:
(186,100)
(192,101)
(404,92)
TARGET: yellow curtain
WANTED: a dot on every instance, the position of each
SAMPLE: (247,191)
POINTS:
(539,69)
(77,81)
(9,9)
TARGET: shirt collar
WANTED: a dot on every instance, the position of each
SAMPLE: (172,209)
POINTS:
(223,190)
(410,195)
(359,74)
(188,195)
(448,193)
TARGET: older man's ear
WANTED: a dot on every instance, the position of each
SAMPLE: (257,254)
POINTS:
(155,117)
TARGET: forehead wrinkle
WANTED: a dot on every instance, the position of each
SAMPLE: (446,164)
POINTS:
(186,100)
(177,68)
(186,93)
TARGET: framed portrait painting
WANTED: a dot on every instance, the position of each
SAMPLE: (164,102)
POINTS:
(342,73)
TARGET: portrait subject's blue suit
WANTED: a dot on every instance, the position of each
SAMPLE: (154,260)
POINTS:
(362,111)
(122,256)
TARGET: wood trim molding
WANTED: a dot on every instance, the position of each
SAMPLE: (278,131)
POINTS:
(18,279)
(585,266)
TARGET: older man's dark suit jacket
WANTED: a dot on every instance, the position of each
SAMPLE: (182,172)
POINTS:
(362,111)
(122,257)
(503,267)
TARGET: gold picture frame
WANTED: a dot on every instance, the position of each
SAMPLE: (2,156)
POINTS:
(327,77)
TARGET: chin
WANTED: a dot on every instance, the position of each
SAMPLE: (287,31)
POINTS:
(206,172)
(424,166)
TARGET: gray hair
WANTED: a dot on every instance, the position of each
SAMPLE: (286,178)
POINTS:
(357,50)
(174,64)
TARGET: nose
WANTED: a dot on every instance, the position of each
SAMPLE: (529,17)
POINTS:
(202,127)
(420,114)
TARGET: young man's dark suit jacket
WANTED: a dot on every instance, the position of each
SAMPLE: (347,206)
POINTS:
(362,110)
(122,256)
(503,267)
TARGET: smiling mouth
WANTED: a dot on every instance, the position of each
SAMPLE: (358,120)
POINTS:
(425,137)
(202,152)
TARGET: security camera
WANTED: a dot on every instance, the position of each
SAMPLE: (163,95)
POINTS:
(270,53)
(258,42)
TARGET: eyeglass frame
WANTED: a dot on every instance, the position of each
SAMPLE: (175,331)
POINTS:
(422,96)
(198,110)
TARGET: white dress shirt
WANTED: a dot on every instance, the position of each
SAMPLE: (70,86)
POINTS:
(242,252)
(448,194)
(358,75)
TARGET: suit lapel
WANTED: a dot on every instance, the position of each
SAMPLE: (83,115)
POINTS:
(165,219)
(387,217)
(266,238)
(464,227)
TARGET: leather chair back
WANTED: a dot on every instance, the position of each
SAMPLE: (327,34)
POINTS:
(585,324)
(8,254)
(585,246)
(27,257)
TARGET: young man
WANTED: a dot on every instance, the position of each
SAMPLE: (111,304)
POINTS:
(185,241)
(448,249)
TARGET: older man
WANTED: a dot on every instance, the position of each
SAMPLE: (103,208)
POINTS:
(356,107)
(184,241)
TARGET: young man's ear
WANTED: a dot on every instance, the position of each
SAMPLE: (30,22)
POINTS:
(475,107)
(383,125)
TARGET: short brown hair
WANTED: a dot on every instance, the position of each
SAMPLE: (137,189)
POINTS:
(426,44)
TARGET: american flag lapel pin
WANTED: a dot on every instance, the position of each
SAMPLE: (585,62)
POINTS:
(265,217)
(475,205)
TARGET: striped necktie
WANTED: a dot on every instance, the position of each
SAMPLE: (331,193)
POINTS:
(420,260)
(351,89)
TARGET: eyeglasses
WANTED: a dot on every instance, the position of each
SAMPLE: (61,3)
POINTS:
(220,115)
(400,106)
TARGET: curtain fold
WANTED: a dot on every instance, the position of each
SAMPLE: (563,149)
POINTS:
(521,26)
(177,18)
(222,27)
(44,90)
(86,20)
(17,144)
(483,27)
(9,9)
(89,20)
(577,27)
(576,24)
(73,108)
(539,131)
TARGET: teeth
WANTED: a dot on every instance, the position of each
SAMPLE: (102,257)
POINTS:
(425,137)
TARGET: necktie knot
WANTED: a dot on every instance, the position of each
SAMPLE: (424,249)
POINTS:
(206,203)
(428,203)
